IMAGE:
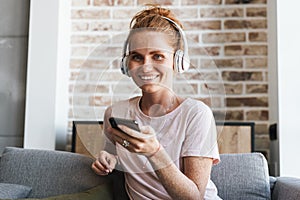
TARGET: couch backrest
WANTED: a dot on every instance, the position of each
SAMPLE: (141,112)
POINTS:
(48,172)
(242,176)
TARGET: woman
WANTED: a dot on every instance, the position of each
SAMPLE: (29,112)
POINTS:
(172,154)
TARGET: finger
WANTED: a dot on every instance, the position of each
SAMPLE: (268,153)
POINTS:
(133,133)
(118,139)
(119,134)
(98,168)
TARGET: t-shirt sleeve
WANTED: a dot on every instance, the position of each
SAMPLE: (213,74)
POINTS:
(201,135)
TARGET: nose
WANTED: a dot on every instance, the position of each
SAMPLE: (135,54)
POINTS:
(147,65)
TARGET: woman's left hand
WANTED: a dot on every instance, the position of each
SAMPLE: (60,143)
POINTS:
(143,142)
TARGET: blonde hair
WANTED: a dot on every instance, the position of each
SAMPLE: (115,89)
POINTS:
(154,17)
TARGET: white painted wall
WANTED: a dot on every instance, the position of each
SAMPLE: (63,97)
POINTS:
(274,164)
(47,75)
(288,86)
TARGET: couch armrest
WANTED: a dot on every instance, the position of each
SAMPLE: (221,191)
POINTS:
(286,188)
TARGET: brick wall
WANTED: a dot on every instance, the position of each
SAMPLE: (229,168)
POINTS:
(228,50)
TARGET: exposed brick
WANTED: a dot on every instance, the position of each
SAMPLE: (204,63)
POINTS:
(222,63)
(79,101)
(262,142)
(90,64)
(212,88)
(234,115)
(194,37)
(106,75)
(80,26)
(223,37)
(186,13)
(203,25)
(113,3)
(205,51)
(257,115)
(76,63)
(201,2)
(161,2)
(213,102)
(80,2)
(256,12)
(242,76)
(87,113)
(109,26)
(221,12)
(89,39)
(245,24)
(100,100)
(79,51)
(106,51)
(234,50)
(90,14)
(247,101)
(207,76)
(265,76)
(252,2)
(258,37)
(234,88)
(219,115)
(207,101)
(80,76)
(261,129)
(257,62)
(124,13)
(185,89)
(256,88)
(88,88)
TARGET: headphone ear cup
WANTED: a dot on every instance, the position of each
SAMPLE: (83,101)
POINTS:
(181,61)
(124,66)
(185,62)
(178,58)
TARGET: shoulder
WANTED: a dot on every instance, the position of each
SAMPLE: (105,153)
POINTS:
(196,106)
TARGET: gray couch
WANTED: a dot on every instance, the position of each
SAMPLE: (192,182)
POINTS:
(66,175)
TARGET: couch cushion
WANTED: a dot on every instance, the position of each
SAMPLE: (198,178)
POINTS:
(13,191)
(286,188)
(48,172)
(242,176)
(101,192)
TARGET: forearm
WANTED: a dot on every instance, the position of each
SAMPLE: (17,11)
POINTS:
(174,181)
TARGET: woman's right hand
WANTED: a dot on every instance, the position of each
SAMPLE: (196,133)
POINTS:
(105,163)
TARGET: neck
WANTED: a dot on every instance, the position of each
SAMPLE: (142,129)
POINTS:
(158,104)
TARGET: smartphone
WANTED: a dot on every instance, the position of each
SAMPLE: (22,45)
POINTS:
(114,122)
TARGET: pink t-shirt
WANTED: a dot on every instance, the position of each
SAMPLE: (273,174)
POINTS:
(189,130)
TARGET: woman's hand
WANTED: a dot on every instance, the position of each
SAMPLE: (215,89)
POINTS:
(143,142)
(105,163)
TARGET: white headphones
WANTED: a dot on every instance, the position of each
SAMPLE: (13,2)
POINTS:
(181,58)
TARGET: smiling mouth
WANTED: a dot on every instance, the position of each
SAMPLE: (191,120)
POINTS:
(148,78)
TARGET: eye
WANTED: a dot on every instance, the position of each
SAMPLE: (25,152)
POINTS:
(158,57)
(136,57)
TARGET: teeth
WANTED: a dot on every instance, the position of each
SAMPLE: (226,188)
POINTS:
(148,77)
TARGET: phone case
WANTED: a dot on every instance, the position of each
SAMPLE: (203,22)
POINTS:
(114,122)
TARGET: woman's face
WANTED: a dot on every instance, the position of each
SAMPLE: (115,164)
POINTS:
(150,61)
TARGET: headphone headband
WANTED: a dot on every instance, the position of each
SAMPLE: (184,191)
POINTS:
(181,58)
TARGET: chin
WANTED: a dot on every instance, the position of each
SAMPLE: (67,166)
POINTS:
(150,88)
